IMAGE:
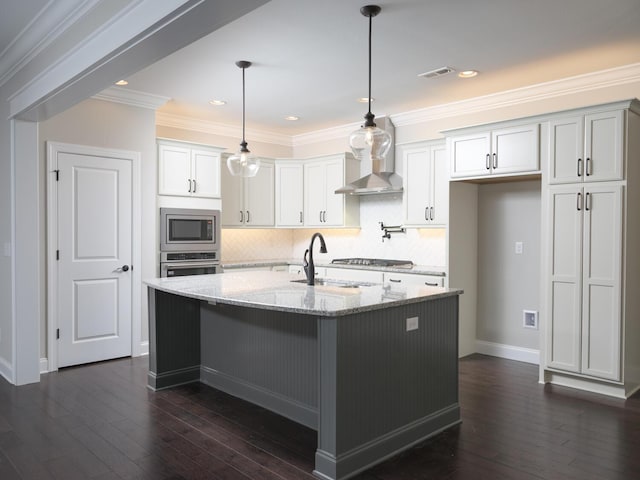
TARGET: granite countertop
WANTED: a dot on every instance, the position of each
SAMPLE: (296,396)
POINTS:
(415,270)
(276,291)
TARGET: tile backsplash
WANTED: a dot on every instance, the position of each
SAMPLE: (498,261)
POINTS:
(422,246)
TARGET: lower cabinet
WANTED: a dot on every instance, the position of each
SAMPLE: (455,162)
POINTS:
(413,279)
(584,286)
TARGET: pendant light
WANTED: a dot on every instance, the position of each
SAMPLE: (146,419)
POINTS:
(243,163)
(369,136)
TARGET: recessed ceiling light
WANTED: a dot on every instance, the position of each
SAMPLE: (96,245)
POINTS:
(365,100)
(122,83)
(468,73)
(291,118)
(217,103)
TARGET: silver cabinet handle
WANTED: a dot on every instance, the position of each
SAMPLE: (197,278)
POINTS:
(579,205)
(426,213)
(579,172)
(587,170)
(394,280)
(430,284)
(241,216)
(587,203)
(431,214)
(320,213)
(300,217)
(189,185)
(194,186)
(248,217)
(495,161)
(486,161)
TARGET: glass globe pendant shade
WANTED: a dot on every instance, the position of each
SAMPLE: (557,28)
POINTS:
(370,139)
(243,163)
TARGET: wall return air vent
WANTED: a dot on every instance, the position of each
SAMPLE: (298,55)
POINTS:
(438,72)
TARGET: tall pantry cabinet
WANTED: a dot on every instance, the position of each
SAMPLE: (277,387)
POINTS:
(591,270)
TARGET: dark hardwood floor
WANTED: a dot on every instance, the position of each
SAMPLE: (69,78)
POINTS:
(101,422)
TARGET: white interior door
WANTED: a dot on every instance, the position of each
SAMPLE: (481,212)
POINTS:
(95,250)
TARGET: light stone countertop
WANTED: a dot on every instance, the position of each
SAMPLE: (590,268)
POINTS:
(415,270)
(276,291)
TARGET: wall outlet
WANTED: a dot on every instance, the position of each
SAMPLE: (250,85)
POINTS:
(412,323)
(519,247)
(530,319)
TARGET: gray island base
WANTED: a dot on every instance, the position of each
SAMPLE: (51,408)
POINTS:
(346,362)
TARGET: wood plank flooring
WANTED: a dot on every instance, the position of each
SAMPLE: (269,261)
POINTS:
(101,422)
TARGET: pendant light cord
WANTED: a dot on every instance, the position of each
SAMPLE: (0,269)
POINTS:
(243,109)
(370,28)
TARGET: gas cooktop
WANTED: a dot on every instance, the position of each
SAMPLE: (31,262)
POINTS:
(374,262)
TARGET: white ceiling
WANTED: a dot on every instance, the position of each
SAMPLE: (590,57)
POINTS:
(310,58)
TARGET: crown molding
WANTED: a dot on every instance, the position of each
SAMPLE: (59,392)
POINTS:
(50,22)
(205,126)
(532,93)
(134,98)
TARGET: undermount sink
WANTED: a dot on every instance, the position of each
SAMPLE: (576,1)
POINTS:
(328,282)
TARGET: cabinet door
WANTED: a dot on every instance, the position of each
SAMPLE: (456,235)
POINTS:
(515,150)
(289,194)
(564,286)
(601,297)
(315,193)
(232,188)
(603,146)
(416,175)
(566,137)
(439,185)
(205,174)
(469,155)
(260,198)
(174,165)
(334,203)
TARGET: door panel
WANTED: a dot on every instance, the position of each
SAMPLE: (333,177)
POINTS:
(418,196)
(94,241)
(516,149)
(566,141)
(602,281)
(603,146)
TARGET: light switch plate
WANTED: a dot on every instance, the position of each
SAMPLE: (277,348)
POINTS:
(519,247)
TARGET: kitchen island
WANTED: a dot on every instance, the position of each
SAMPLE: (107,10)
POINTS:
(373,368)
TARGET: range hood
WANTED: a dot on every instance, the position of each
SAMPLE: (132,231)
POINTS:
(382,179)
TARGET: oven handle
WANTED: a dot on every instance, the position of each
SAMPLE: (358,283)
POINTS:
(167,266)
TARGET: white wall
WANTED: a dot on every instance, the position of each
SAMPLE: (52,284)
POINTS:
(110,125)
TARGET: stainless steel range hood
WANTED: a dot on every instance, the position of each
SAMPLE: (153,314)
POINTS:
(382,179)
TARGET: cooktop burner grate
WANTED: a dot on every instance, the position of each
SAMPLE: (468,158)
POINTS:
(376,262)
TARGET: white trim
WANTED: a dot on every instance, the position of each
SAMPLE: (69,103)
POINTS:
(510,352)
(131,97)
(14,313)
(44,365)
(593,386)
(143,349)
(205,126)
(53,149)
(6,371)
(50,22)
(532,93)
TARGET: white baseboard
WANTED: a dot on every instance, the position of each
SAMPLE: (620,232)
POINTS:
(6,370)
(510,352)
(44,365)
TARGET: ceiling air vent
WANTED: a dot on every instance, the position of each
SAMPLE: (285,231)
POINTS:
(438,72)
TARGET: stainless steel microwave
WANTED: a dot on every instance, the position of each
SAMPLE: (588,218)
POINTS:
(188,230)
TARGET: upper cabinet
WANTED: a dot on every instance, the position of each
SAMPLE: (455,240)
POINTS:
(188,170)
(426,184)
(305,192)
(503,151)
(587,148)
(289,193)
(249,202)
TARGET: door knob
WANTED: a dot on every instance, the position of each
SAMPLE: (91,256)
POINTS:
(125,268)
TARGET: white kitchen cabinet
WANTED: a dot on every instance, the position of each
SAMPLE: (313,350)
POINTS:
(322,206)
(289,193)
(501,151)
(586,148)
(299,270)
(584,284)
(188,170)
(590,313)
(426,184)
(413,279)
(249,202)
